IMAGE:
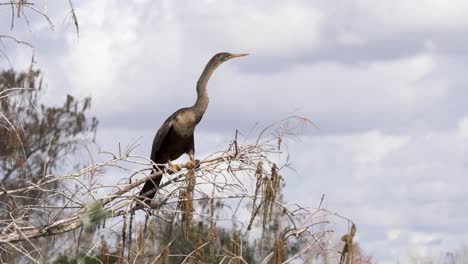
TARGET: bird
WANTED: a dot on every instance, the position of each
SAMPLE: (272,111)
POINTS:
(175,136)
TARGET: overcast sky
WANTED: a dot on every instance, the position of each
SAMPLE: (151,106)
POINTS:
(384,80)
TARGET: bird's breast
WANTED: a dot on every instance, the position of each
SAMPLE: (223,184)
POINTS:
(185,124)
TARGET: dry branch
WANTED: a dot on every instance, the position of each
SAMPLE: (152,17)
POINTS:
(240,174)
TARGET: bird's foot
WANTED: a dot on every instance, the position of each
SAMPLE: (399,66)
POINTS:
(192,164)
(175,167)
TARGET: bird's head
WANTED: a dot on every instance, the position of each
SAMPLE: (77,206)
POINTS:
(225,56)
(217,60)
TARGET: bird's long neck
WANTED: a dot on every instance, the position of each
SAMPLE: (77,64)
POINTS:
(202,94)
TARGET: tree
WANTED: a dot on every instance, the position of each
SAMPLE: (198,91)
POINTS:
(35,142)
(192,205)
(34,137)
(241,176)
(23,10)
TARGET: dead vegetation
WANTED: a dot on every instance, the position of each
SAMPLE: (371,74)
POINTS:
(245,175)
(104,221)
(23,11)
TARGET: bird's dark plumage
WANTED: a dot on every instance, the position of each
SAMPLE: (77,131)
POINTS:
(175,137)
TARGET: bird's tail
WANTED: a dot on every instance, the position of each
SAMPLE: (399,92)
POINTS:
(151,186)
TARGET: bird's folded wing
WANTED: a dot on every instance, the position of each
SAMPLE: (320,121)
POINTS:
(160,137)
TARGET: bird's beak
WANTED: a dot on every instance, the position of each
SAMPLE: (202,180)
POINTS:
(238,55)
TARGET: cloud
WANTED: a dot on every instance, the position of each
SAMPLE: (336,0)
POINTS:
(149,57)
(383,80)
(258,28)
(387,94)
(387,181)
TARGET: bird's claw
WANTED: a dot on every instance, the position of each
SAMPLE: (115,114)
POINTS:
(175,167)
(191,164)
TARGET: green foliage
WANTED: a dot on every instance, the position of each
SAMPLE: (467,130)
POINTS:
(93,214)
(225,239)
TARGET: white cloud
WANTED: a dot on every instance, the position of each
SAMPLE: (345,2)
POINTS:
(373,75)
(258,28)
(371,147)
(371,94)
(410,187)
(116,60)
(419,15)
(368,20)
(463,128)
(393,234)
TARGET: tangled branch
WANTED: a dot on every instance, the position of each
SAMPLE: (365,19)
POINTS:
(242,174)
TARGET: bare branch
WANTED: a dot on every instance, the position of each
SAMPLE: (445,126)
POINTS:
(241,174)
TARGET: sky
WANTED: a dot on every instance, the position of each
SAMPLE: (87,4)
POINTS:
(383,80)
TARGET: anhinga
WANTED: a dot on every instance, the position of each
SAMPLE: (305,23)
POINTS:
(175,137)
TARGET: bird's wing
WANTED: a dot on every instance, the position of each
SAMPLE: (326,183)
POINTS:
(159,138)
